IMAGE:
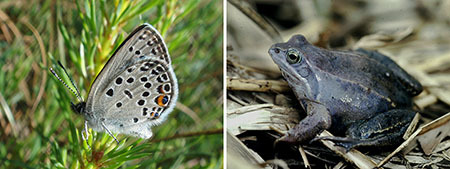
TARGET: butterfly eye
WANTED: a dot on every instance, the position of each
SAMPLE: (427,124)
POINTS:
(293,56)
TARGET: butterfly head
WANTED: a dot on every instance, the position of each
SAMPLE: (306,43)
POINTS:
(79,107)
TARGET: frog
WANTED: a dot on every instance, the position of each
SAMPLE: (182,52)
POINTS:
(362,96)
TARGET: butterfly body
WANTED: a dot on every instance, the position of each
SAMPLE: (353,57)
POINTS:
(136,89)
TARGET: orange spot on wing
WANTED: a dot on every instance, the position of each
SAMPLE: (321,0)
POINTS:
(160,100)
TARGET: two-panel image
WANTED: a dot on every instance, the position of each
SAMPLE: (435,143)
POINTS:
(237,84)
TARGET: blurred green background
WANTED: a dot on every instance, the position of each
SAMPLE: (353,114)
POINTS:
(38,128)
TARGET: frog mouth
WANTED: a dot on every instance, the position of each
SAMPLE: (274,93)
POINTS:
(289,73)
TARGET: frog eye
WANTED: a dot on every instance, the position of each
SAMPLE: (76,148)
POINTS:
(293,56)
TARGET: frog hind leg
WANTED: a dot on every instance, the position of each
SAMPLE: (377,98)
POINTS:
(413,86)
(381,130)
(345,142)
(348,143)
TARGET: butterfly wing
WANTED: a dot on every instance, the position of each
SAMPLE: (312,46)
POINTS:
(137,87)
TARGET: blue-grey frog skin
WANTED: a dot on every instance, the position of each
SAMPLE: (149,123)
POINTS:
(362,94)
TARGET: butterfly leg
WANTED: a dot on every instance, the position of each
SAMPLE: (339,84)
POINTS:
(109,132)
(85,136)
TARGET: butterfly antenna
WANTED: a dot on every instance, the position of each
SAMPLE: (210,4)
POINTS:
(77,93)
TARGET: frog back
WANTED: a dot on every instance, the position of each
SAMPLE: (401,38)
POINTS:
(355,74)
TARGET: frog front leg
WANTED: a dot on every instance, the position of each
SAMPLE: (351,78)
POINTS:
(317,120)
(383,129)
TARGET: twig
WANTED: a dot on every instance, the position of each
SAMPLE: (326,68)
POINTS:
(258,19)
(304,158)
(257,85)
(237,100)
(191,113)
(44,61)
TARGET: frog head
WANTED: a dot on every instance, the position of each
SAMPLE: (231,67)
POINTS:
(295,60)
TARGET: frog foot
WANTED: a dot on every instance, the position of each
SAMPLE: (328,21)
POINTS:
(345,142)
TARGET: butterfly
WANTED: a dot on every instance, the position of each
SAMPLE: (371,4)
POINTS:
(136,89)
